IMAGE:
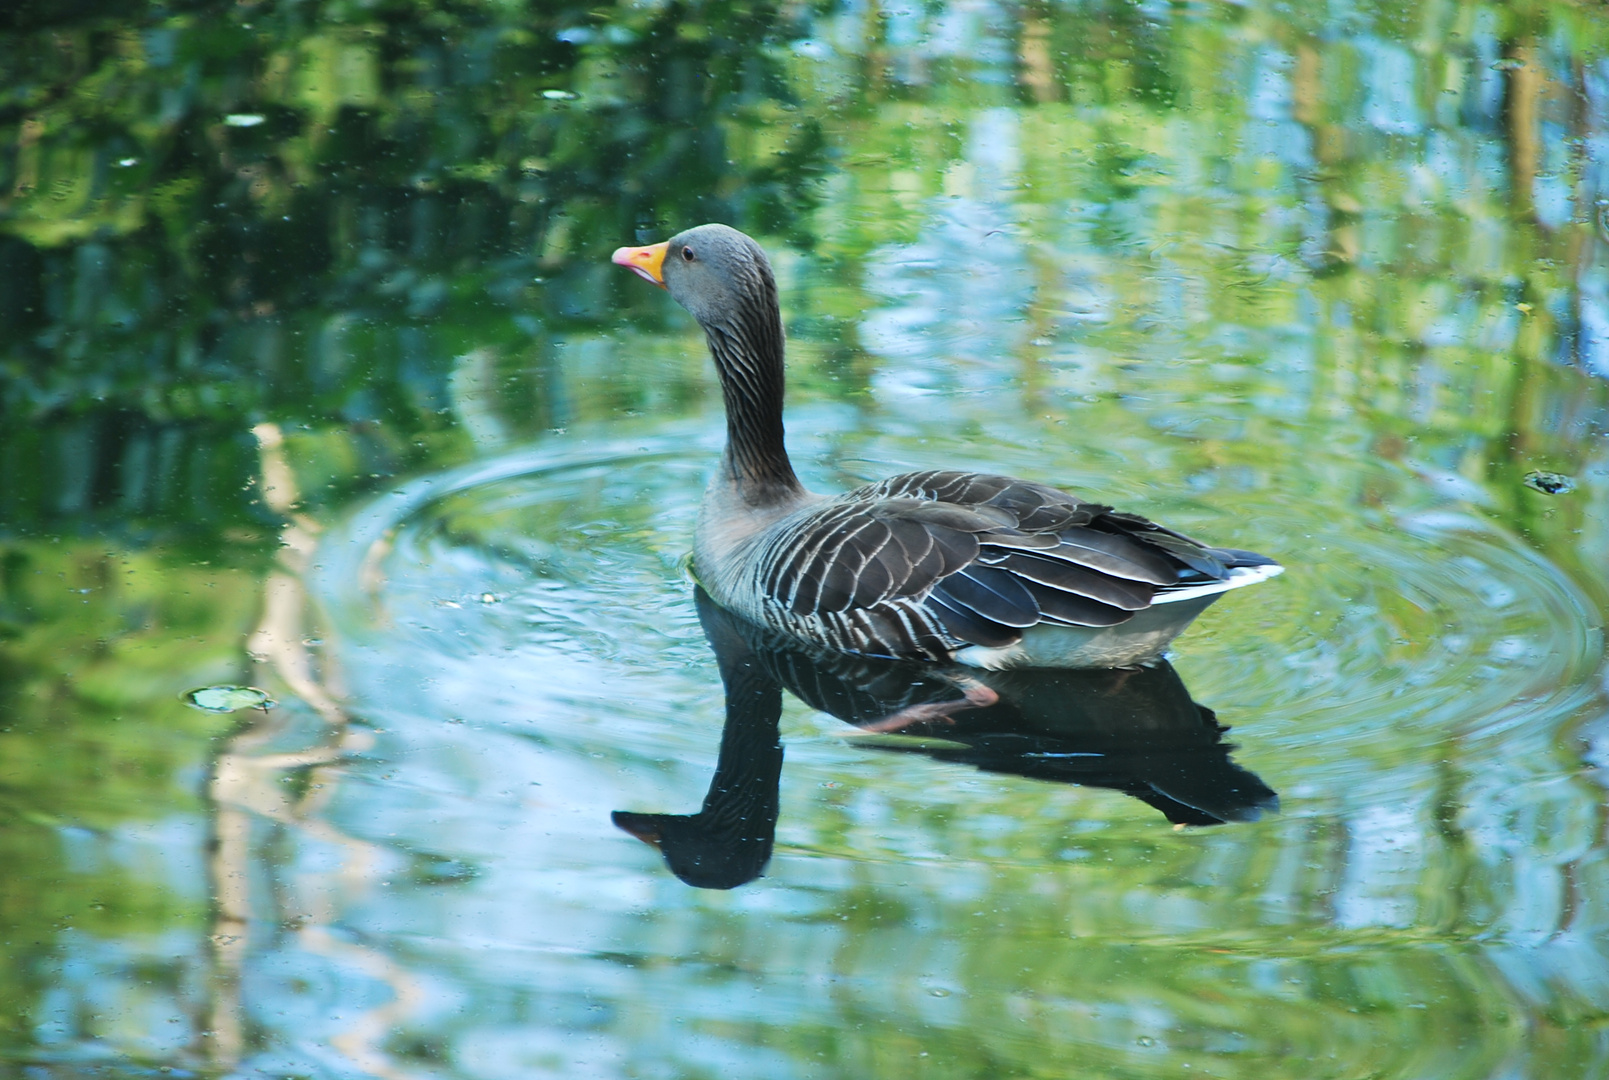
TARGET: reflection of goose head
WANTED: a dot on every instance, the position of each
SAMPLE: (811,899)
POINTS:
(1134,730)
(728,842)
(703,850)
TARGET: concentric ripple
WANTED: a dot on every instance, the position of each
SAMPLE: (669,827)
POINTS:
(545,569)
(523,632)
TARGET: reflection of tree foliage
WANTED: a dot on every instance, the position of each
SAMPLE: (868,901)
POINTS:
(431,179)
(214,214)
(281,210)
(94,741)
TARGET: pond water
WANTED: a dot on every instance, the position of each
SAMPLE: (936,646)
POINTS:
(318,385)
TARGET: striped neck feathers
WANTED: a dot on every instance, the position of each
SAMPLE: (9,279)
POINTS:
(747,345)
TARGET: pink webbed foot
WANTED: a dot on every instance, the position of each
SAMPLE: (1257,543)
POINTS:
(976,696)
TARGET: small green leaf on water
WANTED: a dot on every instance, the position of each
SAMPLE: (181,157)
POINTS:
(226,699)
(1549,483)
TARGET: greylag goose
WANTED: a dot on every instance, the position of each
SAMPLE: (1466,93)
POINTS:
(985,570)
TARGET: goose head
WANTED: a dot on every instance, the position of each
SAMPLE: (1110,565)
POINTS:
(725,282)
(718,274)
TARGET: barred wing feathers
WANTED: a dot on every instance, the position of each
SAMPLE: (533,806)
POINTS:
(926,563)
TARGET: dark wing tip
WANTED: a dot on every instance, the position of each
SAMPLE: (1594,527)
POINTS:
(1233,557)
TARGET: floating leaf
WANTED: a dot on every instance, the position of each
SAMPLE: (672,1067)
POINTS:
(227,699)
(1549,483)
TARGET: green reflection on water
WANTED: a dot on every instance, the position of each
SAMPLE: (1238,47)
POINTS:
(1328,283)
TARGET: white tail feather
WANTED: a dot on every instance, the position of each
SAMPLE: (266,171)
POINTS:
(1239,577)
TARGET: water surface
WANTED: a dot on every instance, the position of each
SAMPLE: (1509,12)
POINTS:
(316,380)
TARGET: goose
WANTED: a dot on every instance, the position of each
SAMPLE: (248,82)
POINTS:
(940,565)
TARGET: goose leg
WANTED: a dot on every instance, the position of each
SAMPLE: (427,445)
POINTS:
(975,696)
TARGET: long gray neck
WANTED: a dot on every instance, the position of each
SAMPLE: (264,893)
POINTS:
(747,349)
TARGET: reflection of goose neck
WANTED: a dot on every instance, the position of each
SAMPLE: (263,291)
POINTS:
(728,842)
(740,810)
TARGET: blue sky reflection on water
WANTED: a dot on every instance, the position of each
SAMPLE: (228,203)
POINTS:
(346,403)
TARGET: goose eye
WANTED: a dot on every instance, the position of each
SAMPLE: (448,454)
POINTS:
(687,254)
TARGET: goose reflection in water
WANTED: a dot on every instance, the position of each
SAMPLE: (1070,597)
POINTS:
(1136,730)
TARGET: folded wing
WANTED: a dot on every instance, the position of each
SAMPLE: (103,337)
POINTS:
(924,563)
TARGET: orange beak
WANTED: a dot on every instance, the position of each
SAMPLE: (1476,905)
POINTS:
(642,826)
(646,262)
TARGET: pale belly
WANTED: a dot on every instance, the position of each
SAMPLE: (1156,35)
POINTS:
(1140,640)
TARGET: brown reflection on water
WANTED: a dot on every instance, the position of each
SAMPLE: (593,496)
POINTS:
(250,786)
